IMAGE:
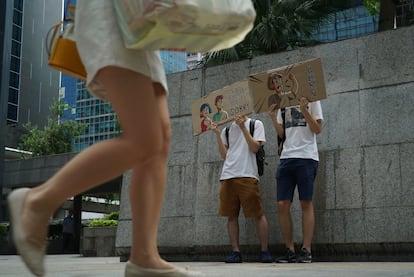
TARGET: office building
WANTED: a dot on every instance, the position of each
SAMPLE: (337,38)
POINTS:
(98,116)
(27,83)
(348,23)
(174,61)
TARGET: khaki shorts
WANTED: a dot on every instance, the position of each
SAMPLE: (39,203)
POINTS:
(240,192)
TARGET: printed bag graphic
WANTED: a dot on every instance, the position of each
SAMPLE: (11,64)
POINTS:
(191,25)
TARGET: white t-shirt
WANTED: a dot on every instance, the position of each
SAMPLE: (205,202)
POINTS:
(240,160)
(300,140)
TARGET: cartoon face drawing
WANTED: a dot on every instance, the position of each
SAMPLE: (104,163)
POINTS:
(282,83)
(285,87)
(275,82)
(205,110)
(220,114)
(219,102)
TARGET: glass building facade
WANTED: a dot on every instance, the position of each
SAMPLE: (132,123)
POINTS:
(98,117)
(15,62)
(349,23)
(28,85)
(67,96)
(174,61)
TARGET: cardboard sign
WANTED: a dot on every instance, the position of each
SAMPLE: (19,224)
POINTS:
(221,106)
(284,86)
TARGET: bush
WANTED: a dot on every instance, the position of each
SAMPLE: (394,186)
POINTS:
(103,223)
(109,220)
(3,229)
(113,216)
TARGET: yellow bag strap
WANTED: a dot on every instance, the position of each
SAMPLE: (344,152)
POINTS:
(50,40)
(55,28)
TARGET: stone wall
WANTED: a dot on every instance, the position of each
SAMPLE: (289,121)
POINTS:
(98,241)
(364,195)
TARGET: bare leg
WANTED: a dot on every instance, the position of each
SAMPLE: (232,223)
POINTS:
(308,223)
(233,229)
(147,190)
(285,222)
(142,111)
(263,232)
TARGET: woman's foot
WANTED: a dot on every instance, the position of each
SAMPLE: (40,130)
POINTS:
(31,249)
(133,270)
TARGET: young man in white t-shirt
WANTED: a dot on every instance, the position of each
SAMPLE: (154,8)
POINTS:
(298,167)
(239,182)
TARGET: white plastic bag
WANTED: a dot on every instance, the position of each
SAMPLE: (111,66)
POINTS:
(190,25)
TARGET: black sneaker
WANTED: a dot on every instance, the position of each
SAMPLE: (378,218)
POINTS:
(305,256)
(265,257)
(235,257)
(289,257)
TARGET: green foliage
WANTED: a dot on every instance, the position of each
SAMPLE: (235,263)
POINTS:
(103,223)
(109,220)
(3,229)
(55,138)
(372,6)
(279,25)
(112,216)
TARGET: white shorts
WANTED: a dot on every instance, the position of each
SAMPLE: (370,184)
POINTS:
(100,44)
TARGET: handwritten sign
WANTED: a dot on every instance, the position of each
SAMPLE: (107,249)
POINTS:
(284,86)
(221,106)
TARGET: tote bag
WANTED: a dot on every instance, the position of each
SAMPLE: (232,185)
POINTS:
(190,25)
(61,46)
(62,51)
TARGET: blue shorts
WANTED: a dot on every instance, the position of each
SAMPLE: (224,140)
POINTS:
(292,172)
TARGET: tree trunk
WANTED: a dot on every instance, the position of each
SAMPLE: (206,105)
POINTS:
(387,15)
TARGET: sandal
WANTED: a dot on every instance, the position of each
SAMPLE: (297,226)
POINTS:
(132,270)
(32,256)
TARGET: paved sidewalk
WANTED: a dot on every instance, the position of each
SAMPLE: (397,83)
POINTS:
(78,266)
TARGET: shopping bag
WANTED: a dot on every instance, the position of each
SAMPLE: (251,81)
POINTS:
(190,25)
(62,51)
(61,46)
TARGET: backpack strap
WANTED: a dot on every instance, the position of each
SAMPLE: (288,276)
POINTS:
(227,136)
(283,112)
(281,140)
(251,125)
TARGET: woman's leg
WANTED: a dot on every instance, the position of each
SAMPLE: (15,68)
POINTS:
(143,144)
(147,191)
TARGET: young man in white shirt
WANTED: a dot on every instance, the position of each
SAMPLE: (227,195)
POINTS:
(239,182)
(298,167)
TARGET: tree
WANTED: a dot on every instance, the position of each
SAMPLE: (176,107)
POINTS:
(372,6)
(386,9)
(55,138)
(279,25)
